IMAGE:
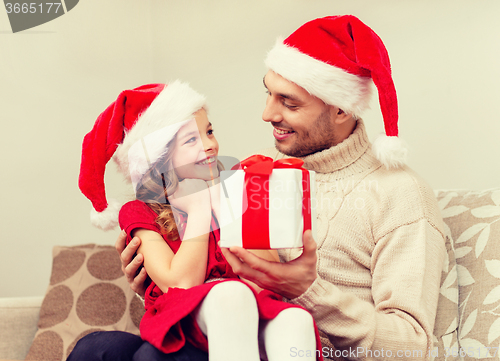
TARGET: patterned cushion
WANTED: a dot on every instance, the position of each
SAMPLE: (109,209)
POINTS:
(87,293)
(445,329)
(473,219)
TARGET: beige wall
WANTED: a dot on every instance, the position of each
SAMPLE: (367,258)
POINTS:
(56,78)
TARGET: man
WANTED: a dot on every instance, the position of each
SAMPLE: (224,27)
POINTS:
(372,280)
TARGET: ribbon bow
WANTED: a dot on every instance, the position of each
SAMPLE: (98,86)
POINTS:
(261,165)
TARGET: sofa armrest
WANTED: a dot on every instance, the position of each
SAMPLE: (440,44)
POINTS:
(18,325)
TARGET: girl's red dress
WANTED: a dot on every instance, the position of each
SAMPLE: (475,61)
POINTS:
(168,322)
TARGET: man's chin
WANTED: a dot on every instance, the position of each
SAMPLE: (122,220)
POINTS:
(289,151)
(295,151)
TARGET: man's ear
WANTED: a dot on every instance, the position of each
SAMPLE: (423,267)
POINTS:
(340,116)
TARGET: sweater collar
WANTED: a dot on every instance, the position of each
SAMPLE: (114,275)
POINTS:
(343,155)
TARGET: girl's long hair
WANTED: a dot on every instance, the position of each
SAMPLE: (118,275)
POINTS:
(157,184)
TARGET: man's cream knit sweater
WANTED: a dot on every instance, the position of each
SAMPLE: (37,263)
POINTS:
(380,254)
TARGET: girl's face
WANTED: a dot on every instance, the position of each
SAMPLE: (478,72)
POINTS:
(195,149)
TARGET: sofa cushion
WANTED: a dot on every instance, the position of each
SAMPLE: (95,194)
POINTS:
(445,327)
(18,320)
(473,219)
(87,293)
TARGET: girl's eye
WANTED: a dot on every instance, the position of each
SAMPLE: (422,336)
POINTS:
(190,140)
(210,132)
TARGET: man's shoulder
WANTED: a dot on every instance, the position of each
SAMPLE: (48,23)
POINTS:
(404,192)
(401,180)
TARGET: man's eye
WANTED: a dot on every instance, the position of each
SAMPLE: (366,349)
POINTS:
(291,107)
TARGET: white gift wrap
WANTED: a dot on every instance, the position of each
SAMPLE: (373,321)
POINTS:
(285,207)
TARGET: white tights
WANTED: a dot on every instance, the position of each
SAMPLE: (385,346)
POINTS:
(228,316)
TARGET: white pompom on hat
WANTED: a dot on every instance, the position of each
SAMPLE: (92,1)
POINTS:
(135,129)
(337,58)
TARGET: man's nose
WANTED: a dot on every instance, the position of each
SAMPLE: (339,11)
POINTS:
(271,112)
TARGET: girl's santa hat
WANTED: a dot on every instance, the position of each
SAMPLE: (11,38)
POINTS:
(336,59)
(135,130)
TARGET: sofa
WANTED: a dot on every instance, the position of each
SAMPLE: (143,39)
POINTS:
(87,292)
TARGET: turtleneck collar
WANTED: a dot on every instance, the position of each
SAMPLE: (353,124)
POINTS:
(346,156)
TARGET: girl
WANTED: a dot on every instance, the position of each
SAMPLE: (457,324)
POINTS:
(170,152)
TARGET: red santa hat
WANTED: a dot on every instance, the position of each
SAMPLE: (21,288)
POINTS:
(135,130)
(336,59)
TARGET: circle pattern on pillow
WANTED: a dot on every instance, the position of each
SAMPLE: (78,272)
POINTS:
(105,265)
(87,292)
(58,299)
(65,265)
(47,345)
(136,311)
(102,304)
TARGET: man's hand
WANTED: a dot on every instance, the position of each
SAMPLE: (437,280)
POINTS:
(131,264)
(289,279)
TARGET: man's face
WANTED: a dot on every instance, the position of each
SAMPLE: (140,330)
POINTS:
(303,124)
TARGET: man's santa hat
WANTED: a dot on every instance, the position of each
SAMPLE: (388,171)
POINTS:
(336,59)
(135,130)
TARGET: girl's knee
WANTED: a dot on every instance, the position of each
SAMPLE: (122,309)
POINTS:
(293,328)
(295,318)
(232,293)
(226,302)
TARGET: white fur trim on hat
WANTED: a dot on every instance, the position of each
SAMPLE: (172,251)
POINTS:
(107,219)
(171,109)
(333,85)
(391,151)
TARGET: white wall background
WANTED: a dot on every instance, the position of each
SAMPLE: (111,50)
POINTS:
(56,78)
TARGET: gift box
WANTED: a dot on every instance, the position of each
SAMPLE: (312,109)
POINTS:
(266,204)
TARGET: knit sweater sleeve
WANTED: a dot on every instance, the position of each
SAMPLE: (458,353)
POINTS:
(404,290)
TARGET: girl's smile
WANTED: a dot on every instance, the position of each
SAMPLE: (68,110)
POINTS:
(207,161)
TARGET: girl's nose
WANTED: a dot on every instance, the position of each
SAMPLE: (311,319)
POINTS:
(209,144)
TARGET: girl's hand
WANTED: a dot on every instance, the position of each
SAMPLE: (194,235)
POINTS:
(192,196)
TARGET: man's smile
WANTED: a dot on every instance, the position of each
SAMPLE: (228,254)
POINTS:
(281,134)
